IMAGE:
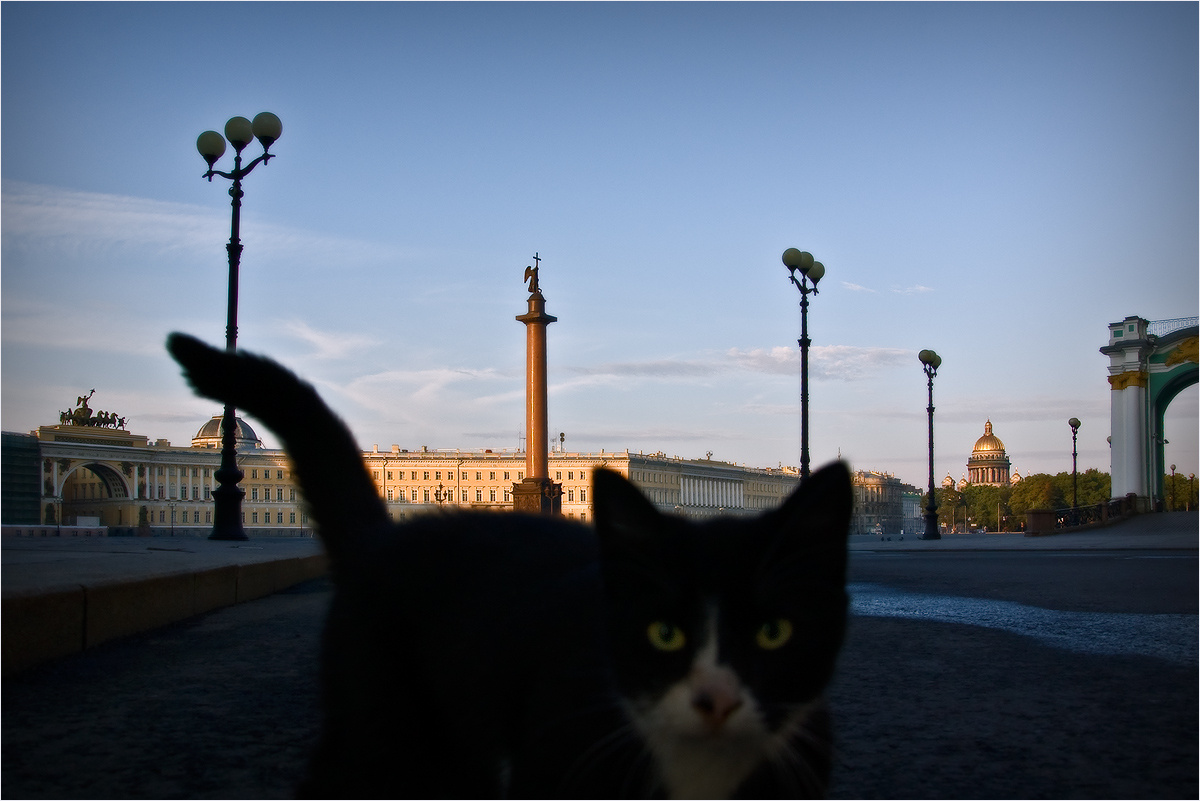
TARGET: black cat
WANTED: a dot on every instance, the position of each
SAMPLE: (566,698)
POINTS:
(470,655)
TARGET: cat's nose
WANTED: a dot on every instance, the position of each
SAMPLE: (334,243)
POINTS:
(715,704)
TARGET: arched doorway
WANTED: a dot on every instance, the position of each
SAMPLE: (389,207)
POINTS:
(1150,363)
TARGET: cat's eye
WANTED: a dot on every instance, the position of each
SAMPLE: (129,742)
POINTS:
(665,636)
(773,634)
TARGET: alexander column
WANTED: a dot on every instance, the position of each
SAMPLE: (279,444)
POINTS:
(536,493)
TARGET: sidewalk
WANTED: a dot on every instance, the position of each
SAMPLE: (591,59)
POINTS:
(1169,531)
(64,594)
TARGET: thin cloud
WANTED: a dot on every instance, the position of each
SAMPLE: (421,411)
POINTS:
(916,289)
(858,288)
(38,217)
(328,345)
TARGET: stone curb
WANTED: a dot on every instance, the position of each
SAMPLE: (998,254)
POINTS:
(51,623)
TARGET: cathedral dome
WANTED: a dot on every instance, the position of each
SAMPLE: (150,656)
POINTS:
(209,435)
(989,442)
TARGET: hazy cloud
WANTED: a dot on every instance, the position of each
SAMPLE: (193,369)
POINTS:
(916,289)
(327,344)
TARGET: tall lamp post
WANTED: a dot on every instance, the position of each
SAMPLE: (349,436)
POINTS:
(802,261)
(930,361)
(1074,424)
(1172,509)
(266,127)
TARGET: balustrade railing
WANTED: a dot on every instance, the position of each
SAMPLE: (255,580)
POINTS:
(1160,328)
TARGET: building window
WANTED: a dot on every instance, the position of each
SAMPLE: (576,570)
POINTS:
(279,517)
(558,475)
(479,496)
(414,496)
(582,495)
(492,494)
(254,495)
(570,475)
(506,478)
(479,475)
(464,496)
(254,473)
(292,518)
(389,475)
(208,517)
(570,496)
(426,473)
(390,492)
(254,517)
(279,493)
(414,476)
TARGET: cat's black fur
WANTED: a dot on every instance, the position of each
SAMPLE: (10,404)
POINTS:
(485,654)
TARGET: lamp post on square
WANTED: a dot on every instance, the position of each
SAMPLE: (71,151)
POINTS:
(930,362)
(1074,424)
(801,261)
(266,128)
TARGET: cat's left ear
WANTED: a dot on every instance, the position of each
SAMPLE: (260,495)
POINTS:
(620,508)
(815,519)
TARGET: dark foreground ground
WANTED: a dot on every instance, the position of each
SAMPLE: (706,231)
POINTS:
(225,706)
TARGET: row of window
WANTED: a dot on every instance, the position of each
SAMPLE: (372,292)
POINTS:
(463,475)
(185,517)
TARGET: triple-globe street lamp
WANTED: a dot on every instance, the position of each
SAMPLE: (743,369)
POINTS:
(801,261)
(930,362)
(266,128)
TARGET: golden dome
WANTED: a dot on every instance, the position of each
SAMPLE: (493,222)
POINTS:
(989,442)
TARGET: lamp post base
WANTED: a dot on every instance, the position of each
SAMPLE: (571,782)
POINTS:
(227,512)
(931,527)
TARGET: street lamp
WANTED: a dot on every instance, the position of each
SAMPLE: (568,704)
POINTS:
(266,127)
(810,270)
(171,505)
(441,494)
(1074,424)
(930,361)
(1172,488)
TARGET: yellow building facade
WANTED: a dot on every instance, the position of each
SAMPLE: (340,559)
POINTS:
(109,477)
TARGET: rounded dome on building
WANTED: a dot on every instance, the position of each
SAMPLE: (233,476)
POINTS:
(989,464)
(209,435)
(989,442)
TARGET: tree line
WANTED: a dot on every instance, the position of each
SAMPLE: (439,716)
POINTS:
(979,506)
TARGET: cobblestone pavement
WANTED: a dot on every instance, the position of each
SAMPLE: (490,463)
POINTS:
(225,706)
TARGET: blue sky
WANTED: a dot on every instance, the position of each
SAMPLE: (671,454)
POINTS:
(997,182)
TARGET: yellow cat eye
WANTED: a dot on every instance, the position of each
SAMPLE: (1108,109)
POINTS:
(665,636)
(774,633)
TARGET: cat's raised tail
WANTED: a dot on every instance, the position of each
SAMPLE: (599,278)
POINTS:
(310,431)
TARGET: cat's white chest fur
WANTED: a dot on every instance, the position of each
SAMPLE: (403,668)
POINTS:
(706,732)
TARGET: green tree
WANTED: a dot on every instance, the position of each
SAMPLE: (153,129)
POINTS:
(1185,492)
(984,502)
(1094,487)
(951,506)
(1037,491)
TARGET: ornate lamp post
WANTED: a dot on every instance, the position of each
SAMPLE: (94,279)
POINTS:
(441,494)
(802,261)
(931,362)
(1074,424)
(266,127)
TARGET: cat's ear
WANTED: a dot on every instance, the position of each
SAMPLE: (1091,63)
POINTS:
(815,519)
(624,517)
